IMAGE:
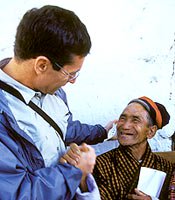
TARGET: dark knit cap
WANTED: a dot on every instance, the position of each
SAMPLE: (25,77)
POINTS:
(157,111)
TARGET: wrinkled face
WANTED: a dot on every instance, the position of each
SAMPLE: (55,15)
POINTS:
(132,127)
(51,80)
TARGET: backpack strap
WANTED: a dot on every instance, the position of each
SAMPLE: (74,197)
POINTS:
(33,106)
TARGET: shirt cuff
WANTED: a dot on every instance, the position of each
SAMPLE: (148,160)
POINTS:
(93,193)
(154,198)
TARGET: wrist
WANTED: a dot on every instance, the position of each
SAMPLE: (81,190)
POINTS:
(83,184)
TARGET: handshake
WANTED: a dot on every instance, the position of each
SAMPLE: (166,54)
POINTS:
(82,157)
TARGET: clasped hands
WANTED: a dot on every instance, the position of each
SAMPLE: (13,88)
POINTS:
(82,157)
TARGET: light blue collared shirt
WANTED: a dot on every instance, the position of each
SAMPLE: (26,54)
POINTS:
(44,136)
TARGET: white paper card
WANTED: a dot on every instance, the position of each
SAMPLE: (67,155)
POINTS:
(151,181)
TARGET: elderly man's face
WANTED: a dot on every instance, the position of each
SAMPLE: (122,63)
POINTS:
(132,127)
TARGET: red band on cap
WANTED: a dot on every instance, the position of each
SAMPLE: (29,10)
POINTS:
(158,114)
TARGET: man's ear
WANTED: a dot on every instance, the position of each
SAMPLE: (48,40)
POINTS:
(41,64)
(152,131)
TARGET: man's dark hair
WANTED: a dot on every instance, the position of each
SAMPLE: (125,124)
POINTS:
(53,32)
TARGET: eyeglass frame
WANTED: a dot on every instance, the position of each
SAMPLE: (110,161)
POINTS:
(72,76)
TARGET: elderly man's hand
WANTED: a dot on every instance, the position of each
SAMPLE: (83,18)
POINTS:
(139,195)
(82,157)
(86,164)
(87,159)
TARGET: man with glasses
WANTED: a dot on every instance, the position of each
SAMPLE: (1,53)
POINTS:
(72,76)
(51,44)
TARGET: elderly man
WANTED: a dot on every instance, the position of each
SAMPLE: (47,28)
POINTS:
(117,171)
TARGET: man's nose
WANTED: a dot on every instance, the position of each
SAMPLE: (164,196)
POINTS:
(72,81)
(127,124)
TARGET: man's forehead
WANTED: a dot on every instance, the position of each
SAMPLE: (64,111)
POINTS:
(135,109)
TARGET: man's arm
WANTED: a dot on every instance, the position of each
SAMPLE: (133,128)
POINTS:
(82,157)
(22,176)
(93,193)
(76,155)
(81,132)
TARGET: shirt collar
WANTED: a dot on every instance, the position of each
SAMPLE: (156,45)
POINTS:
(26,92)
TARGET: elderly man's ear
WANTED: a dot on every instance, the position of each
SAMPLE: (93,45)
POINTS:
(152,131)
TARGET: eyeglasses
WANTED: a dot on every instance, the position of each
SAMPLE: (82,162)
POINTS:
(72,76)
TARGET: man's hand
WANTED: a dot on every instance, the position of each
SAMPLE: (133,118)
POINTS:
(109,125)
(139,195)
(87,159)
(88,154)
(82,157)
(111,128)
(72,156)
